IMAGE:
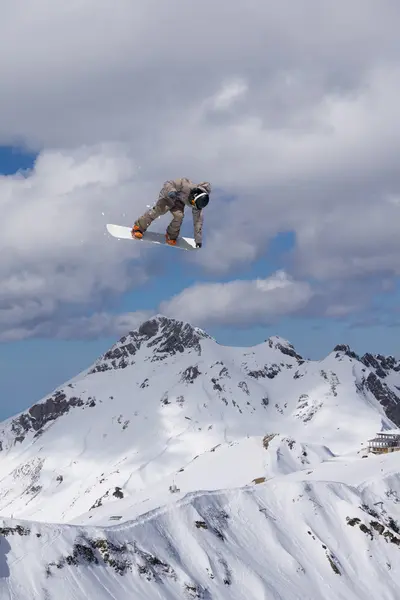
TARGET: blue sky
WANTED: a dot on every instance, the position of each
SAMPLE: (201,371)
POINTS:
(30,369)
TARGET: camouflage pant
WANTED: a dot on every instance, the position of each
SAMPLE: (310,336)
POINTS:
(161,208)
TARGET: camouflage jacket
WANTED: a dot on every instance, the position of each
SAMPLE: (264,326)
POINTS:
(183,187)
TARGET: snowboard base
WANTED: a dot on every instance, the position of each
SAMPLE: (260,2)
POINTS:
(124,233)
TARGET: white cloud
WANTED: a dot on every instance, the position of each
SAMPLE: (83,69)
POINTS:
(393,199)
(91,73)
(295,119)
(96,325)
(56,254)
(358,240)
(336,167)
(229,94)
(239,303)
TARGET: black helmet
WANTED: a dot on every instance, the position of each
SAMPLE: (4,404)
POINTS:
(199,198)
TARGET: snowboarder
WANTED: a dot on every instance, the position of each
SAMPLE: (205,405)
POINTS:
(174,196)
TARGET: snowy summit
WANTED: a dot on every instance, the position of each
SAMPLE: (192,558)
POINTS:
(175,467)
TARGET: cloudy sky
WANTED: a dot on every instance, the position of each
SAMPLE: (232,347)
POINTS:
(288,108)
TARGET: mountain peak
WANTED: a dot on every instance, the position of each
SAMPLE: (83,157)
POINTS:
(381,364)
(160,336)
(131,444)
(345,349)
(283,345)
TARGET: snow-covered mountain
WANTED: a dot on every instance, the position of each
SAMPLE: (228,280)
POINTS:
(175,467)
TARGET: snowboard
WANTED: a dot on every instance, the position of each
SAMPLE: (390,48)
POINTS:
(124,233)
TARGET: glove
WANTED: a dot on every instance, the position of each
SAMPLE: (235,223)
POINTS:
(198,245)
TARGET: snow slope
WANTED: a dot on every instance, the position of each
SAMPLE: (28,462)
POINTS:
(261,446)
(289,538)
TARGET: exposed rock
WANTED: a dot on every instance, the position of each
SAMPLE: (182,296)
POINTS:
(333,562)
(12,530)
(149,329)
(224,373)
(176,336)
(117,357)
(118,493)
(99,501)
(164,336)
(244,387)
(269,371)
(284,346)
(381,364)
(385,396)
(190,374)
(40,414)
(216,385)
(346,350)
(165,399)
(88,551)
(152,567)
(378,527)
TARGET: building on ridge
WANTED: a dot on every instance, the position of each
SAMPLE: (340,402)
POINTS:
(384,442)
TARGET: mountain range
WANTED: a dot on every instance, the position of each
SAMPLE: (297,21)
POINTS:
(175,467)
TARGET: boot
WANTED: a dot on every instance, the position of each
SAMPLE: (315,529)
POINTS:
(169,241)
(137,232)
